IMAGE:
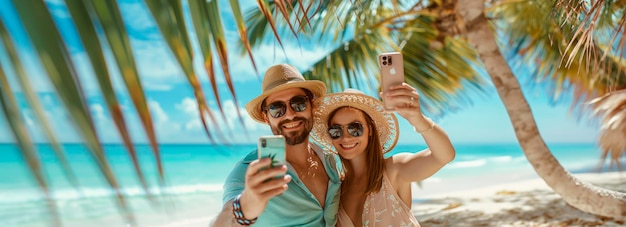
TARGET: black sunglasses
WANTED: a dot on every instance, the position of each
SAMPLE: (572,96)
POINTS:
(355,129)
(279,108)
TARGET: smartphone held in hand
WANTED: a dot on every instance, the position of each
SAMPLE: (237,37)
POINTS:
(391,74)
(272,147)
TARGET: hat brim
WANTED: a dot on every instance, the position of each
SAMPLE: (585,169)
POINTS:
(253,107)
(386,123)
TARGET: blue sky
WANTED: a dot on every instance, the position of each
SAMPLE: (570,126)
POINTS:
(174,110)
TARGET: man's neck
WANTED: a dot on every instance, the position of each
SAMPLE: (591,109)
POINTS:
(297,154)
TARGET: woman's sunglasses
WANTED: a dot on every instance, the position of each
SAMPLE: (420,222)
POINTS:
(279,108)
(355,129)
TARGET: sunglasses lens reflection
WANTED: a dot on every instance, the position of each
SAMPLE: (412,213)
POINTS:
(276,109)
(355,129)
(279,108)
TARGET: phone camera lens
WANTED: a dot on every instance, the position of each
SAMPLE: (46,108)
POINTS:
(263,143)
(384,63)
(384,57)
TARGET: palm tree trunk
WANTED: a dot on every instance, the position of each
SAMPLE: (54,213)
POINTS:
(582,195)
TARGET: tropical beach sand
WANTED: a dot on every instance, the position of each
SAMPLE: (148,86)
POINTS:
(527,202)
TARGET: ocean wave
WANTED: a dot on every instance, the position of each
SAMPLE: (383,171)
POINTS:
(500,159)
(468,164)
(35,194)
(480,162)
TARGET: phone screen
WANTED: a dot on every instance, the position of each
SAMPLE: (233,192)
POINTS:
(272,147)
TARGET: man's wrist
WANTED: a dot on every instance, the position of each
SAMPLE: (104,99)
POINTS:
(238,213)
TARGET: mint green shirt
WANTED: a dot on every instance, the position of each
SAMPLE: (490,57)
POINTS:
(297,206)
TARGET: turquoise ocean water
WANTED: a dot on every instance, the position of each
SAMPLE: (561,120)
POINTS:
(195,174)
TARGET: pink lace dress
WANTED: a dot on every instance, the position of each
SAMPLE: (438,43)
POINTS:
(384,208)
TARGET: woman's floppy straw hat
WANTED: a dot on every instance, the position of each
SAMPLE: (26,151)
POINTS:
(278,78)
(386,123)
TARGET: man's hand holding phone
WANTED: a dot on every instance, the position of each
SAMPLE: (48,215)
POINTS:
(265,178)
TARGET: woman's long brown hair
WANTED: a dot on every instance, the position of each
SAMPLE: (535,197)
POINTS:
(375,161)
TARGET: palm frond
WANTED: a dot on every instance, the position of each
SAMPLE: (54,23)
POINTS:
(350,65)
(200,18)
(264,8)
(31,97)
(109,16)
(260,22)
(437,65)
(57,63)
(101,28)
(169,18)
(87,32)
(11,110)
(569,59)
(612,109)
(217,32)
(243,31)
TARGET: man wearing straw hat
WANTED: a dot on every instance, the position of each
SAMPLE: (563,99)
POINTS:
(307,194)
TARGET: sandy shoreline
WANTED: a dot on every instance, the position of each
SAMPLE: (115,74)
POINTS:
(526,202)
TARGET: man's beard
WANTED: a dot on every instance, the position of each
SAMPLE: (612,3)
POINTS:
(297,137)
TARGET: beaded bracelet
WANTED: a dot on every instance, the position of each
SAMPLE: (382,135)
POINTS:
(432,125)
(239,214)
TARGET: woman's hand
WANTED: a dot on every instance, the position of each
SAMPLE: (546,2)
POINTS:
(407,105)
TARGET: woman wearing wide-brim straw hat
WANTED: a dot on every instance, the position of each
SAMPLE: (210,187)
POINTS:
(376,191)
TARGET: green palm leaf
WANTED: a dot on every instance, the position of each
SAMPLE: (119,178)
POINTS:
(243,31)
(199,17)
(31,97)
(87,32)
(264,8)
(219,40)
(61,71)
(10,109)
(113,26)
(169,18)
(561,50)
(442,70)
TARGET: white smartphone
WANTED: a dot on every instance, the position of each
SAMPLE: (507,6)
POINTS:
(391,74)
(272,147)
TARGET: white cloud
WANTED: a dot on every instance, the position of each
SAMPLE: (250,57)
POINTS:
(231,126)
(98,112)
(157,66)
(189,106)
(270,54)
(233,117)
(138,17)
(155,62)
(193,125)
(159,115)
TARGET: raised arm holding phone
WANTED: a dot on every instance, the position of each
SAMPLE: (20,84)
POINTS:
(307,192)
(361,129)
